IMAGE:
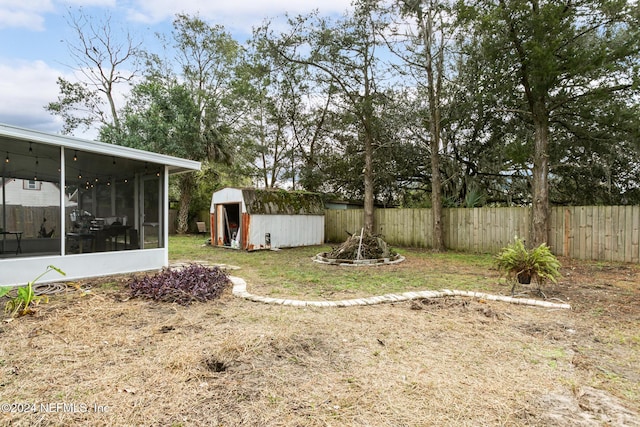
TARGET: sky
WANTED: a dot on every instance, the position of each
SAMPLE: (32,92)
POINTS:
(34,37)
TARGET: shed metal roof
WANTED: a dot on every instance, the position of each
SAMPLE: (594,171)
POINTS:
(282,202)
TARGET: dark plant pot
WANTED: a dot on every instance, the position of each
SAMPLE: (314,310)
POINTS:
(524,278)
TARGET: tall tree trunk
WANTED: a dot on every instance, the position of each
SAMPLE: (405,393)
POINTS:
(187,182)
(436,193)
(434,82)
(536,99)
(368,183)
(112,104)
(367,123)
(540,184)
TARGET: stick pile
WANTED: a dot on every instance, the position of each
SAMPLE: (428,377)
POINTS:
(372,247)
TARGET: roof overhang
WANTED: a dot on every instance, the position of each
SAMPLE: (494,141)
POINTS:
(10,134)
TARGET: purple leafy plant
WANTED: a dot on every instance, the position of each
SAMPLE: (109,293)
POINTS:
(184,286)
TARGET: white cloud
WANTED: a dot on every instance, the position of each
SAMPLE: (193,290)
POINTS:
(97,3)
(235,15)
(24,14)
(242,7)
(238,14)
(29,14)
(29,86)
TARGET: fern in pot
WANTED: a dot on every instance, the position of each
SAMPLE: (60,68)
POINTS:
(523,266)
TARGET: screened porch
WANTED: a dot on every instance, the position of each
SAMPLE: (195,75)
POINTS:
(66,199)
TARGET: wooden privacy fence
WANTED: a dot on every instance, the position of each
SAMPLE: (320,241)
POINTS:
(607,233)
(28,219)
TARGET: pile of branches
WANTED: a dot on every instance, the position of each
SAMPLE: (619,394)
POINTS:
(369,246)
(183,286)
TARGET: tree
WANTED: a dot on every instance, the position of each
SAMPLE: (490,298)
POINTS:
(602,164)
(425,54)
(549,57)
(398,161)
(185,107)
(345,54)
(207,56)
(270,93)
(485,159)
(101,57)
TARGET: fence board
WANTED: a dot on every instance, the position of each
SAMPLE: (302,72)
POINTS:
(462,223)
(415,220)
(451,238)
(599,234)
(464,238)
(28,220)
(612,225)
(394,228)
(454,219)
(628,236)
(607,233)
(567,243)
(380,223)
(635,234)
(614,243)
(476,229)
(495,227)
(620,234)
(588,232)
(577,235)
(426,214)
(553,227)
(399,228)
(581,240)
(419,233)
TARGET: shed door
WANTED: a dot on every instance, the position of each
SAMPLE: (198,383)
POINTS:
(228,224)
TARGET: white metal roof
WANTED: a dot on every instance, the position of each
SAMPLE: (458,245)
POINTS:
(10,133)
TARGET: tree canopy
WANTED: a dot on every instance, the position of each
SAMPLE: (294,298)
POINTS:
(429,103)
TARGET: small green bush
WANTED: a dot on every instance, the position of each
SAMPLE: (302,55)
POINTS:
(25,298)
(520,265)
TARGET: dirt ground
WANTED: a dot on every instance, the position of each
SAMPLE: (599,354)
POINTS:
(101,359)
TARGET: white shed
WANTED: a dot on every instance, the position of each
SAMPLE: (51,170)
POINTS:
(251,219)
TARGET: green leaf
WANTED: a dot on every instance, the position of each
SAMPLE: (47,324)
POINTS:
(52,267)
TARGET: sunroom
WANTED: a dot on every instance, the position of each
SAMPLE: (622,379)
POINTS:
(86,207)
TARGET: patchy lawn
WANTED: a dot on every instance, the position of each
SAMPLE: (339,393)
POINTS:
(103,359)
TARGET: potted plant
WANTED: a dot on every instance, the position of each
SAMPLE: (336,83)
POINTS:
(523,266)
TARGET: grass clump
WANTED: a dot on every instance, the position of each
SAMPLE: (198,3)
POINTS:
(25,298)
(182,286)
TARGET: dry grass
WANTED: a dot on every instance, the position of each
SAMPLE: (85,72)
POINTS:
(446,362)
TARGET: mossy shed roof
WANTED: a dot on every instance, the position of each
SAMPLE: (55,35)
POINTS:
(282,202)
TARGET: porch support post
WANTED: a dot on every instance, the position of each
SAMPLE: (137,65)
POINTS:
(63,207)
(165,214)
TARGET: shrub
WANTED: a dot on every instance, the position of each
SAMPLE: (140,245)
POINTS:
(183,286)
(25,298)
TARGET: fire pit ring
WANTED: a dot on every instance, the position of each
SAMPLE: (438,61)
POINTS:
(323,259)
